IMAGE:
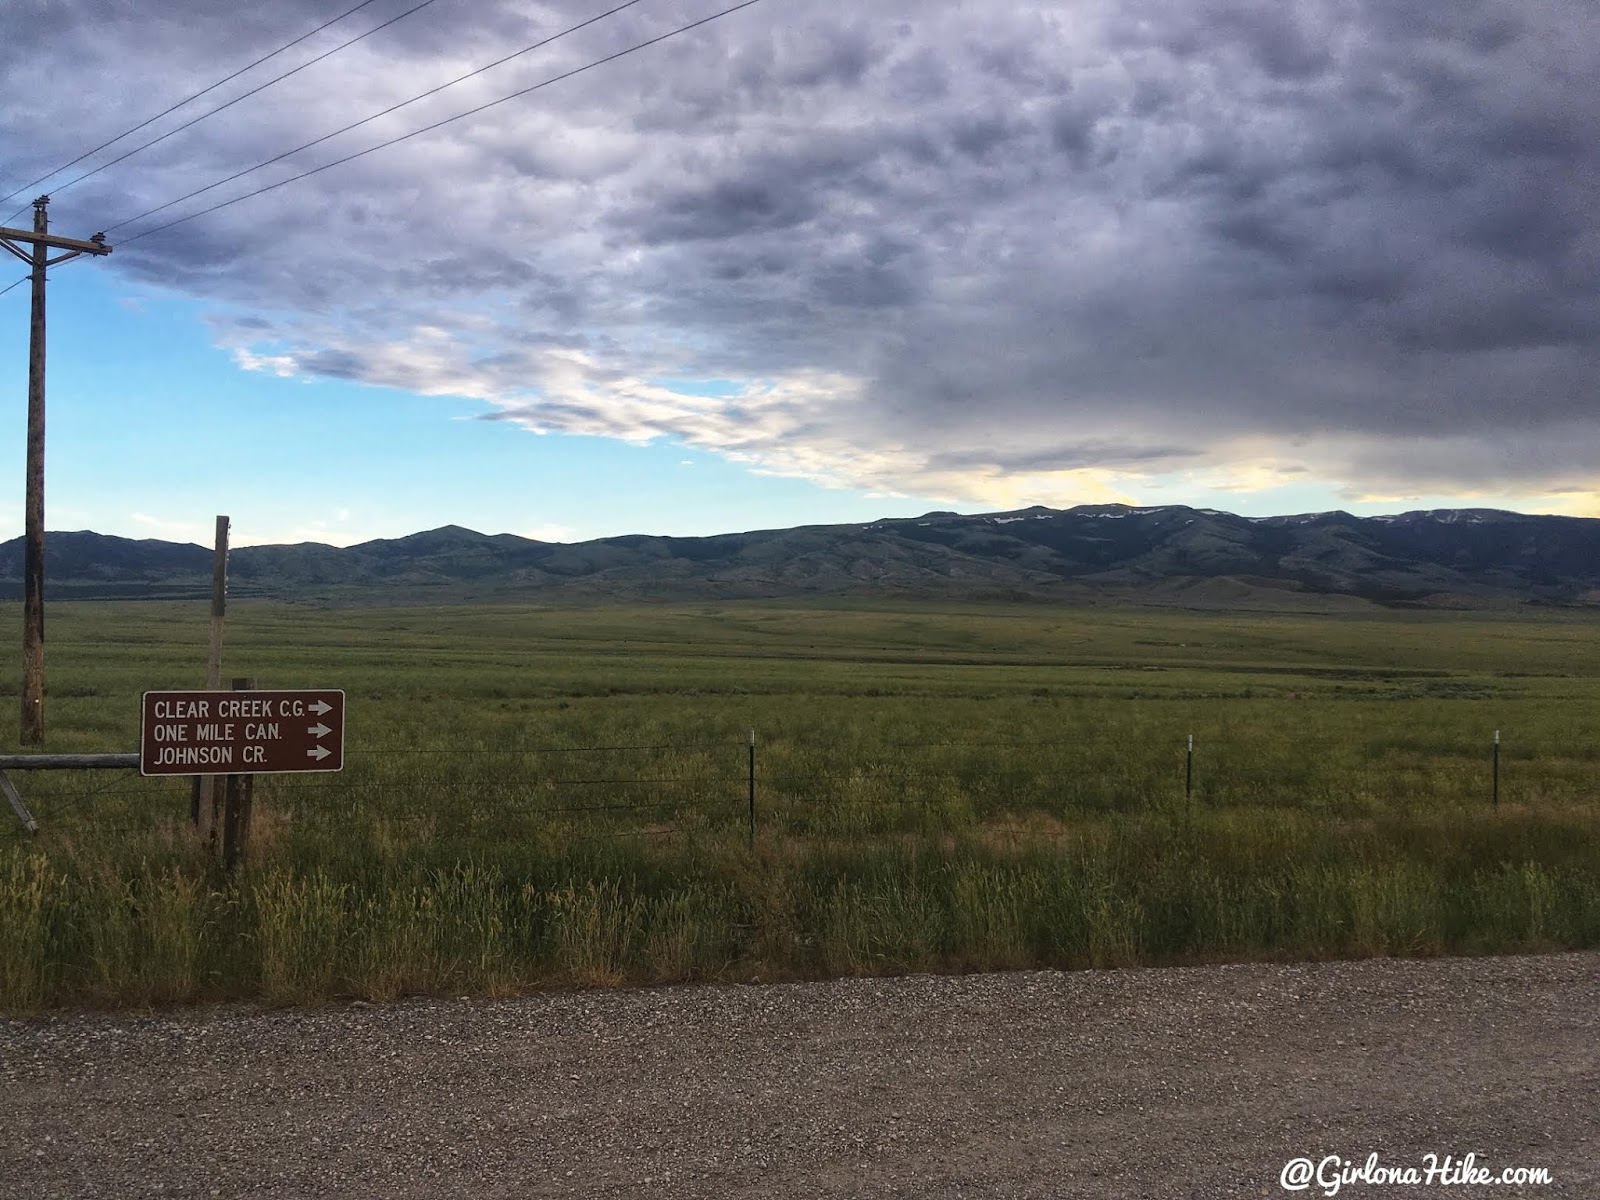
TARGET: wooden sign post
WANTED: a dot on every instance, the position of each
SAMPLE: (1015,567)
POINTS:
(206,796)
(238,804)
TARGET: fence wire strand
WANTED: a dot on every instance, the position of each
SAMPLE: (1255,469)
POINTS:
(1226,772)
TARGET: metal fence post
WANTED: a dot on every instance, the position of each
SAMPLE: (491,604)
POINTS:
(1496,800)
(752,832)
(1188,771)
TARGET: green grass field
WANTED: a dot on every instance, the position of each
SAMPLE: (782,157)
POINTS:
(550,796)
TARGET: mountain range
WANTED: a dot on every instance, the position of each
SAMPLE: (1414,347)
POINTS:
(1170,554)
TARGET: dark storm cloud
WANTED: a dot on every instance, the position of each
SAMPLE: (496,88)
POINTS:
(723,210)
(933,242)
(334,364)
(1071,457)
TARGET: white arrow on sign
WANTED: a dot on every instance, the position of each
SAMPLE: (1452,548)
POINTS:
(318,730)
(319,753)
(320,708)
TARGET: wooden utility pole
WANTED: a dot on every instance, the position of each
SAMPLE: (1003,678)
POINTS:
(37,257)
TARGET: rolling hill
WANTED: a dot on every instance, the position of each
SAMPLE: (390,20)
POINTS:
(1170,554)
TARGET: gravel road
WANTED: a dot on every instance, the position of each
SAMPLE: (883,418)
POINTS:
(1196,1082)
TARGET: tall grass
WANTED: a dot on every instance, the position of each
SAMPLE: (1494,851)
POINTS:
(1110,892)
(25,942)
(936,790)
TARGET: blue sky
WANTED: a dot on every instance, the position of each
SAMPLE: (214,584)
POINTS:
(809,266)
(154,429)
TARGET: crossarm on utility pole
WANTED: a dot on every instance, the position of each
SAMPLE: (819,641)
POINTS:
(94,245)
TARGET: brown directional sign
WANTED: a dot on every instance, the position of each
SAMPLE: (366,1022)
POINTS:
(241,733)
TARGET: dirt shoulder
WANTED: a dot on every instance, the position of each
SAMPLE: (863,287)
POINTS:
(1198,1082)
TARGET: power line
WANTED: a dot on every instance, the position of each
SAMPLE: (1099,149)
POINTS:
(242,96)
(19,282)
(188,100)
(150,212)
(447,121)
(386,750)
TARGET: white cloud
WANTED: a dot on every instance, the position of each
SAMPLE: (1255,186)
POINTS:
(169,530)
(281,365)
(551,532)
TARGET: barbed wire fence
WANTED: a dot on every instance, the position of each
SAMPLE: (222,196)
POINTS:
(798,788)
